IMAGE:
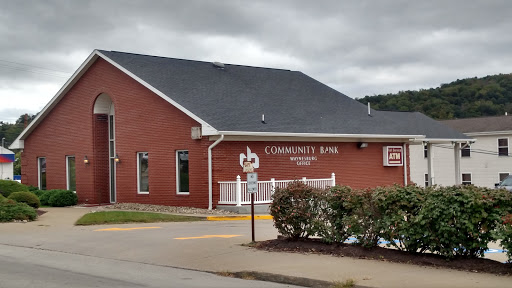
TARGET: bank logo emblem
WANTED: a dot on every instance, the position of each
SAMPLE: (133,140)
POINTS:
(249,158)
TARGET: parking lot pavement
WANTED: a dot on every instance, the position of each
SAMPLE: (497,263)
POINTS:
(207,248)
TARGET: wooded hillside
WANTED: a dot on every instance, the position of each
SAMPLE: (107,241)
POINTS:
(472,97)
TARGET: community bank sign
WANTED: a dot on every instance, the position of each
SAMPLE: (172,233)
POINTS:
(301,155)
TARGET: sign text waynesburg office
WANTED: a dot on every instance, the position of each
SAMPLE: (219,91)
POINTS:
(302,155)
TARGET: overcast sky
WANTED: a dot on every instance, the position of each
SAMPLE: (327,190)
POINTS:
(357,47)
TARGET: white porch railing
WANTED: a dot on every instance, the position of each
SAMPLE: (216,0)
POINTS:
(235,192)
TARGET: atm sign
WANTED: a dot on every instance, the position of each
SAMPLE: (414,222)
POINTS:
(393,156)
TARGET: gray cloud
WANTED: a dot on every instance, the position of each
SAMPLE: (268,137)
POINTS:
(357,47)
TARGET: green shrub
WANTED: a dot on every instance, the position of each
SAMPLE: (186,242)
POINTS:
(38,192)
(461,220)
(10,210)
(365,219)
(44,197)
(9,186)
(334,212)
(296,210)
(32,188)
(26,197)
(399,207)
(61,198)
(2,199)
(506,235)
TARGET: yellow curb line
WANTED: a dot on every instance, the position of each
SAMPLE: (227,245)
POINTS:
(230,218)
(126,229)
(208,236)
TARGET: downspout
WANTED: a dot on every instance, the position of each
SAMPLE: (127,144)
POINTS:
(405,164)
(210,172)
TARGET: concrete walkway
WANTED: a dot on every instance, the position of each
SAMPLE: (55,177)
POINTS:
(55,231)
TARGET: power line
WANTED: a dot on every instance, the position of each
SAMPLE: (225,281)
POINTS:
(33,69)
(477,151)
(33,66)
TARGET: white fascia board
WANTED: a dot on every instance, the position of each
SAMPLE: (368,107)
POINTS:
(491,133)
(442,140)
(318,135)
(204,125)
(18,142)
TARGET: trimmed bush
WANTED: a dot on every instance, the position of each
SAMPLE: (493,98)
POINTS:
(461,220)
(62,198)
(399,207)
(32,188)
(26,197)
(297,210)
(9,186)
(2,198)
(365,219)
(44,197)
(334,212)
(506,236)
(38,192)
(10,210)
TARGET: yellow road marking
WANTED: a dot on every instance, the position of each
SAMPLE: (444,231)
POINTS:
(208,236)
(126,229)
(230,218)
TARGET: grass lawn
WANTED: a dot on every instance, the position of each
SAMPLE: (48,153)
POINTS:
(117,217)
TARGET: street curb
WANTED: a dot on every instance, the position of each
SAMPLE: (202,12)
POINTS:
(241,217)
(283,279)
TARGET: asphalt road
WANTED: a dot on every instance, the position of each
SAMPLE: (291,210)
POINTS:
(32,267)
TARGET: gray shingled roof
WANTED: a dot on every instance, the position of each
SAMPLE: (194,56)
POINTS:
(481,124)
(234,99)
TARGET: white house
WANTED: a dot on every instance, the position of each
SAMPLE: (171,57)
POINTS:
(6,163)
(482,163)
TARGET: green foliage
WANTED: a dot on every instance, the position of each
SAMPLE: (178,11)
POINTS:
(10,210)
(365,219)
(472,97)
(17,164)
(11,131)
(32,188)
(38,193)
(2,198)
(26,197)
(9,186)
(461,220)
(334,212)
(399,207)
(44,197)
(506,235)
(297,210)
(450,221)
(62,198)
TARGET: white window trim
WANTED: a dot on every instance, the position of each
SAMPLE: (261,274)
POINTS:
(178,175)
(39,173)
(470,175)
(499,180)
(67,171)
(498,145)
(138,174)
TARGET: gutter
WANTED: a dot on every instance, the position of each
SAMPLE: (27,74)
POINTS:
(210,172)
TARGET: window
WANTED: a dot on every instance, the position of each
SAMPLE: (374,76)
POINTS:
(503,176)
(425,151)
(182,172)
(426,180)
(465,150)
(71,173)
(142,173)
(503,147)
(466,178)
(41,167)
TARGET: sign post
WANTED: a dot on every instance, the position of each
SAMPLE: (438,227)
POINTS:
(252,188)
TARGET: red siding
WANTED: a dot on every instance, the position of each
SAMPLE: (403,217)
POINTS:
(147,123)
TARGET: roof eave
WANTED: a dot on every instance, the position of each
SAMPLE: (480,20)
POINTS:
(318,135)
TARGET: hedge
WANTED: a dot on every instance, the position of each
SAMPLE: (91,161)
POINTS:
(449,221)
(62,198)
(26,197)
(9,186)
(10,210)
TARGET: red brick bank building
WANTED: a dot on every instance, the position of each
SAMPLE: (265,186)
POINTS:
(146,129)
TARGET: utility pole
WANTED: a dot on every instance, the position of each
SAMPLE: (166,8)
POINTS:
(3,138)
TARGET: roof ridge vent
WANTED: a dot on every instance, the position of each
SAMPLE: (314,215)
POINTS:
(218,65)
